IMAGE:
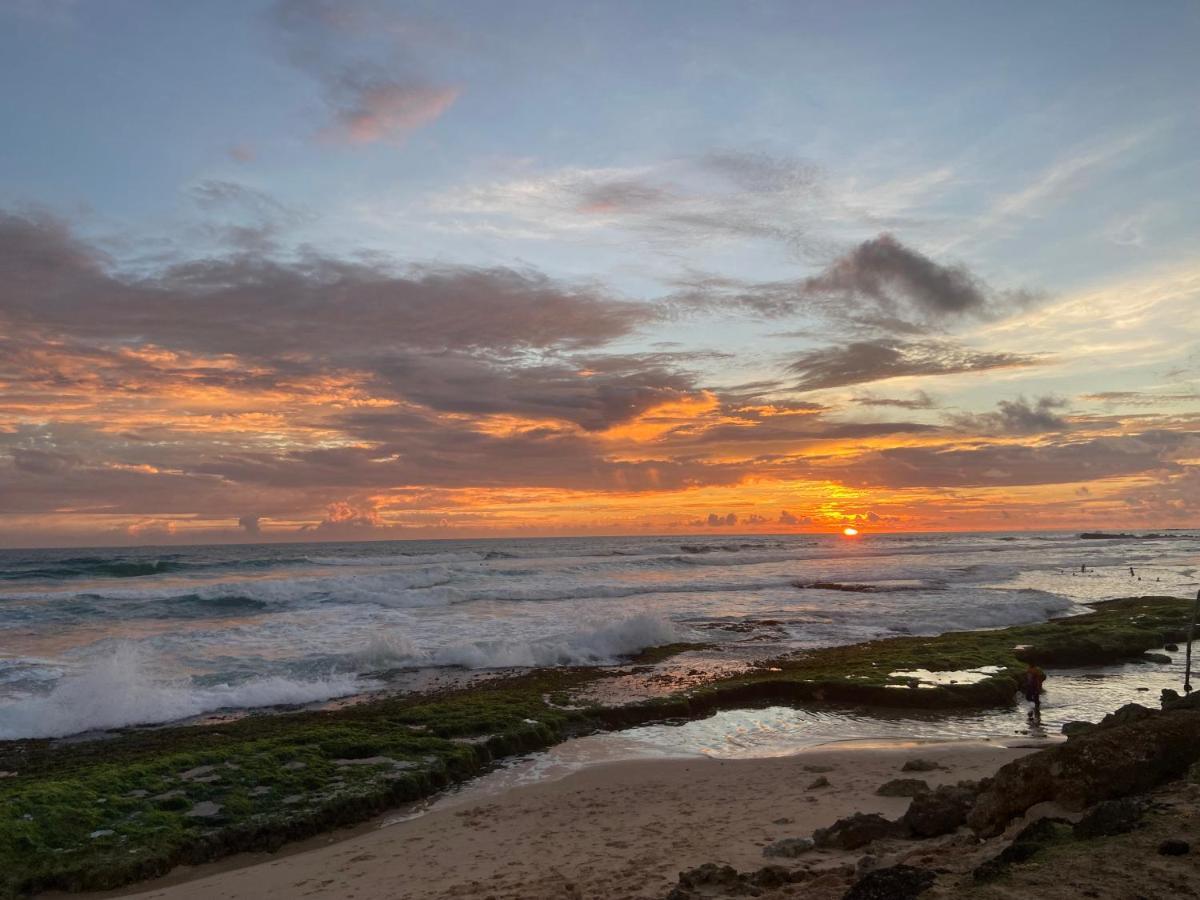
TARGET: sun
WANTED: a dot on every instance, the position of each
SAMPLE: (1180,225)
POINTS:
(850,531)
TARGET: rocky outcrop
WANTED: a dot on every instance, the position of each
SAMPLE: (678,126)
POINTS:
(1172,700)
(1130,712)
(712,880)
(857,831)
(892,883)
(903,787)
(940,811)
(788,847)
(1107,763)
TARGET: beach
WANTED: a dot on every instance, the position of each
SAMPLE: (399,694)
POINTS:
(618,830)
(547,784)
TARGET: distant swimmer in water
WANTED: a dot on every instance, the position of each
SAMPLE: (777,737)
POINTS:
(1131,571)
(1083,567)
(1033,689)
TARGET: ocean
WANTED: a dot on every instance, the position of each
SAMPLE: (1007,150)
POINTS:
(104,638)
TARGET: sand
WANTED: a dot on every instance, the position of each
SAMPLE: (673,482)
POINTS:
(616,830)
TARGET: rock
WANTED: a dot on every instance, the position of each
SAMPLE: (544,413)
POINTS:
(903,787)
(783,820)
(1174,648)
(1109,817)
(857,831)
(709,874)
(1174,847)
(893,883)
(205,809)
(818,770)
(1028,841)
(260,790)
(1167,697)
(919,765)
(1188,701)
(101,832)
(1073,728)
(1100,765)
(1130,712)
(788,847)
(374,761)
(169,795)
(295,765)
(200,773)
(712,880)
(940,811)
(821,782)
(774,876)
(1157,657)
(138,794)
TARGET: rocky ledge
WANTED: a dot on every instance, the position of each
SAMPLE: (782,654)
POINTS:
(1117,803)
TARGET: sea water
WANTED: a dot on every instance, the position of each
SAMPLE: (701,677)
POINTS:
(95,639)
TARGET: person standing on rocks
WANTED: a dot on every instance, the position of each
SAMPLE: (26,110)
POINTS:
(1034,680)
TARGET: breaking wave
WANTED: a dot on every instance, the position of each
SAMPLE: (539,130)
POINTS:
(119,690)
(597,645)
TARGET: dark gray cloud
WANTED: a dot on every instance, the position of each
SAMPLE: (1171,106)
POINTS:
(1020,416)
(460,340)
(999,465)
(458,383)
(863,362)
(43,462)
(894,277)
(879,288)
(317,307)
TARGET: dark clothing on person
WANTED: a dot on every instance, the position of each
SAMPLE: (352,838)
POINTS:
(1034,679)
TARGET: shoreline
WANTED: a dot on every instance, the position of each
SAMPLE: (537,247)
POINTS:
(136,806)
(610,830)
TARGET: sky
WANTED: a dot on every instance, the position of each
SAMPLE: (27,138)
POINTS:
(316,270)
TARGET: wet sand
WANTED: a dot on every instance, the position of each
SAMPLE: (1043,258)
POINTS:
(616,830)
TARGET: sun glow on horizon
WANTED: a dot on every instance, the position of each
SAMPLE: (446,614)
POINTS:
(850,531)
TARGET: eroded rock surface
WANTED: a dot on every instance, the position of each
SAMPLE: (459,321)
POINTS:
(1111,762)
(857,831)
(903,787)
(940,811)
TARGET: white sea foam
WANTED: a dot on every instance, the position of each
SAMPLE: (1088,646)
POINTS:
(119,689)
(258,626)
(593,644)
